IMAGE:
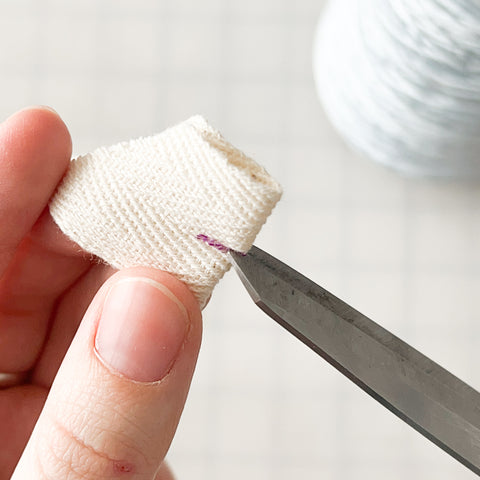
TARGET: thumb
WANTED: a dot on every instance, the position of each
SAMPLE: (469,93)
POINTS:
(117,398)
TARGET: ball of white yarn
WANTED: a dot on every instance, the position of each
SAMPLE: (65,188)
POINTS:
(400,79)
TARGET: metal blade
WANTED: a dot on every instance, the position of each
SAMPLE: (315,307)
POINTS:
(426,396)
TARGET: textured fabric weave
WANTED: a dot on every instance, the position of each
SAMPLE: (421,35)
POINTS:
(175,201)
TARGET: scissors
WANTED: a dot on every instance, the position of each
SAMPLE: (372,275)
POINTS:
(423,394)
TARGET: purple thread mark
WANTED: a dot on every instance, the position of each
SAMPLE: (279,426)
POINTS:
(216,244)
(213,243)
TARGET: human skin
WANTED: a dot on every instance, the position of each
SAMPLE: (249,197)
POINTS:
(132,336)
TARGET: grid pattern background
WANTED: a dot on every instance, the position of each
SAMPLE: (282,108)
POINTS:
(403,251)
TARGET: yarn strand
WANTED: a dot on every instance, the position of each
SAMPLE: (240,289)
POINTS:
(400,80)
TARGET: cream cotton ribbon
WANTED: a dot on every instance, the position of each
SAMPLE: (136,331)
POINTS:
(177,201)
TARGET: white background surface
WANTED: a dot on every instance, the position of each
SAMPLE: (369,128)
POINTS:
(403,251)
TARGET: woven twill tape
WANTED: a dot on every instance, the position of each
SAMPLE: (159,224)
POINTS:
(176,201)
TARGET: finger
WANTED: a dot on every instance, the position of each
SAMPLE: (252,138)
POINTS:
(19,410)
(116,401)
(29,289)
(12,379)
(68,314)
(35,149)
(164,473)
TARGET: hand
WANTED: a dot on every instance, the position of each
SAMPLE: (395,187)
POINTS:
(114,403)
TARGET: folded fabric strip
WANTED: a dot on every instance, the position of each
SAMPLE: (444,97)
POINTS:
(177,201)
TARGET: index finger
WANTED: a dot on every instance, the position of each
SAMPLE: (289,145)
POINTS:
(35,149)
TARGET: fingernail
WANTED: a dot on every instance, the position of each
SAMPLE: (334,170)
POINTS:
(141,330)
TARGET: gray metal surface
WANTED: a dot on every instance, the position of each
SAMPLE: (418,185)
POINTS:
(419,391)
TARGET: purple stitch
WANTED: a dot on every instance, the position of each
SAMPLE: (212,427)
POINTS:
(213,243)
(216,244)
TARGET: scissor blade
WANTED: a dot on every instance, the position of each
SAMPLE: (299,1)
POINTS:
(422,393)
